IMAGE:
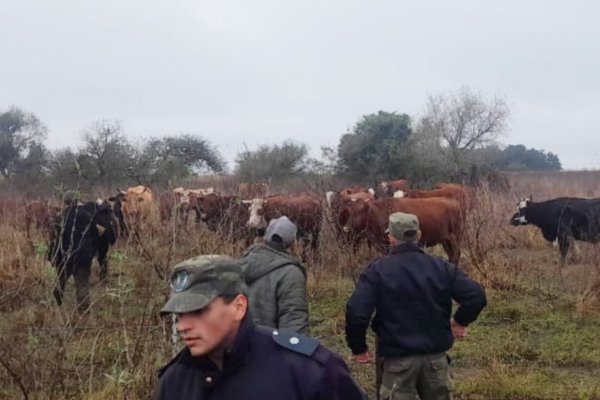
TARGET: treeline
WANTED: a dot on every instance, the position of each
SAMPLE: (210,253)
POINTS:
(456,138)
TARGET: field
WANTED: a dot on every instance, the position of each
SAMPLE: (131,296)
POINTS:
(537,339)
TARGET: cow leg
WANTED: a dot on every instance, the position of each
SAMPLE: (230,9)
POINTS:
(452,250)
(563,247)
(59,289)
(82,283)
(103,262)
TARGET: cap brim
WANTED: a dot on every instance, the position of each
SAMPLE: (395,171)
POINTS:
(181,303)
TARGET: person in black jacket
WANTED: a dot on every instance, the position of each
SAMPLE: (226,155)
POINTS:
(227,357)
(411,294)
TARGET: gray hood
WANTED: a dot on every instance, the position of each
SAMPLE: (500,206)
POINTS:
(261,260)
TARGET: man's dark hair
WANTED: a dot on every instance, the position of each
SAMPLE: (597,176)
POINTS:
(228,298)
(277,240)
(410,235)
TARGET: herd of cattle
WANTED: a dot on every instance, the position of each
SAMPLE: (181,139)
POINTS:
(80,232)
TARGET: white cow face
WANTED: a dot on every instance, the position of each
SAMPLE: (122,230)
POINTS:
(398,194)
(520,216)
(257,218)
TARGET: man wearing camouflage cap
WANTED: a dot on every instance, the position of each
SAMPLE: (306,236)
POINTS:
(412,295)
(227,357)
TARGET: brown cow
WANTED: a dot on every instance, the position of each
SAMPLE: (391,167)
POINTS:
(173,203)
(440,220)
(335,202)
(450,190)
(133,207)
(305,211)
(249,191)
(226,215)
(388,188)
(39,215)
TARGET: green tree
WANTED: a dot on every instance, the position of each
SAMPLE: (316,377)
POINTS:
(163,160)
(375,148)
(21,137)
(518,158)
(275,163)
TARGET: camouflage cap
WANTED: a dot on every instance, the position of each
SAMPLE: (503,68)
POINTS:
(401,225)
(198,281)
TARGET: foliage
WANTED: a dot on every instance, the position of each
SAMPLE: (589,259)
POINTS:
(162,160)
(375,148)
(274,163)
(21,138)
(520,158)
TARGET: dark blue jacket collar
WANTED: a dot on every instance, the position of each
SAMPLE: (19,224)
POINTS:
(405,248)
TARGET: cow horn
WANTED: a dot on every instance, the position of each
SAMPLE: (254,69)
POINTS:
(101,229)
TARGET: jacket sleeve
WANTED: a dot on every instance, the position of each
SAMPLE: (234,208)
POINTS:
(359,310)
(337,382)
(292,306)
(469,296)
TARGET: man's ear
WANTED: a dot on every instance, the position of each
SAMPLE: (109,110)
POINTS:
(393,241)
(240,304)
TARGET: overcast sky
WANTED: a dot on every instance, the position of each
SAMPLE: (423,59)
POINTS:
(252,72)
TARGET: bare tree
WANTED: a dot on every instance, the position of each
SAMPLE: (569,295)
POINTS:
(107,152)
(466,120)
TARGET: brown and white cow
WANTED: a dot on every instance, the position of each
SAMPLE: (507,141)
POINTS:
(439,218)
(304,210)
(226,215)
(388,188)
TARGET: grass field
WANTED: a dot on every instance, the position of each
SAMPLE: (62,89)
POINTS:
(537,339)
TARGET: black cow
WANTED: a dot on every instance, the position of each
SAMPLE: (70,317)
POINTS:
(116,203)
(563,219)
(81,233)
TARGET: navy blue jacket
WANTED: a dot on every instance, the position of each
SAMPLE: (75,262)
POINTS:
(412,295)
(262,364)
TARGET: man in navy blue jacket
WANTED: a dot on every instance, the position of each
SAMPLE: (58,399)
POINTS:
(227,357)
(411,294)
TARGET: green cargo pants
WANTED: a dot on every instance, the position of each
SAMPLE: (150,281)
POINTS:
(425,376)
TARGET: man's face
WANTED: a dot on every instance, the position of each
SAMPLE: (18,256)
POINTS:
(213,327)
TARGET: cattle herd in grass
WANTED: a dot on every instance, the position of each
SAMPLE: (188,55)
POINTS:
(80,232)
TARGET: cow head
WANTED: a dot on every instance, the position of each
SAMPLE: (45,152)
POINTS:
(209,206)
(257,214)
(519,218)
(398,194)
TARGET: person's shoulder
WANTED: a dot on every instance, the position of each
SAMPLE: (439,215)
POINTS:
(249,251)
(295,346)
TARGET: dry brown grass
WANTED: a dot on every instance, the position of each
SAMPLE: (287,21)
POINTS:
(48,352)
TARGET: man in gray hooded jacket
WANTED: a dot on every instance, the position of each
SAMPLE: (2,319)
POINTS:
(276,279)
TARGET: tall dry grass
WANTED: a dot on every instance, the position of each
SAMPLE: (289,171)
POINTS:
(50,352)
